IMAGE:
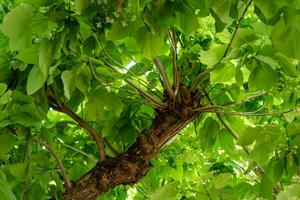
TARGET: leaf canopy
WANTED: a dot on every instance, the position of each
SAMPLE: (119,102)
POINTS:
(206,92)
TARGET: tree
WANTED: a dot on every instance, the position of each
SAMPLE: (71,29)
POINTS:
(92,92)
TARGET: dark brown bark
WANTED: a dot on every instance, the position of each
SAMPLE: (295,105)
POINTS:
(133,164)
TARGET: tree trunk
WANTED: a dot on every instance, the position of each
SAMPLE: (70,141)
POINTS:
(133,164)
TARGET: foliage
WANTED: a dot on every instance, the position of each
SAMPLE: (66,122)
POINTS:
(80,74)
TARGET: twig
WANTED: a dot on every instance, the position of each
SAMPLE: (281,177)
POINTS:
(131,57)
(165,80)
(256,95)
(58,162)
(115,70)
(212,108)
(172,41)
(147,85)
(206,72)
(78,151)
(251,113)
(224,123)
(147,96)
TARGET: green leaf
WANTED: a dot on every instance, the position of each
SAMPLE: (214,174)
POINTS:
(38,3)
(263,77)
(29,55)
(69,81)
(266,188)
(221,9)
(122,29)
(168,191)
(7,143)
(26,114)
(244,36)
(5,191)
(81,5)
(83,78)
(36,80)
(5,97)
(285,37)
(40,25)
(226,141)
(149,43)
(3,88)
(223,74)
(187,14)
(208,133)
(288,67)
(248,135)
(89,45)
(290,192)
(268,60)
(15,26)
(19,170)
(213,55)
(261,151)
(221,180)
(96,102)
(114,103)
(269,8)
(239,76)
(45,56)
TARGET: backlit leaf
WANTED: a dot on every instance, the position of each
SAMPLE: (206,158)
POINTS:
(149,43)
(15,26)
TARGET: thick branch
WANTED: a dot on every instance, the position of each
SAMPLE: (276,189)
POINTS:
(133,164)
(165,80)
(59,163)
(203,74)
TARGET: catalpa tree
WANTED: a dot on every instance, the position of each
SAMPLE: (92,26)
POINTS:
(149,99)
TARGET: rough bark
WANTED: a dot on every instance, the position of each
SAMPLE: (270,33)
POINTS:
(133,164)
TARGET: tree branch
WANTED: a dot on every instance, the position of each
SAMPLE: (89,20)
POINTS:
(58,162)
(98,139)
(130,166)
(91,131)
(165,80)
(203,74)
